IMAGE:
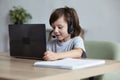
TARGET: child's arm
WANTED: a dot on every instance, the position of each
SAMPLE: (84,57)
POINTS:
(75,53)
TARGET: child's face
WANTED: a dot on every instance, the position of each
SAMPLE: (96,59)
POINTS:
(60,29)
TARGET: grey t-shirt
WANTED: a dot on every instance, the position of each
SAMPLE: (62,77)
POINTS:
(56,46)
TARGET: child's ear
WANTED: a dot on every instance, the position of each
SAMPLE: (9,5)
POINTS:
(70,28)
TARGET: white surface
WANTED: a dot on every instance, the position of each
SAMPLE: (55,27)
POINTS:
(69,63)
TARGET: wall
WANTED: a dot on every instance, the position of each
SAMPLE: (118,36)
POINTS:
(100,18)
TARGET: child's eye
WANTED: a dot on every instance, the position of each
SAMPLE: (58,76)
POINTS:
(60,27)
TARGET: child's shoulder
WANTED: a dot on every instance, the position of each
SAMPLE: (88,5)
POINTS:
(77,38)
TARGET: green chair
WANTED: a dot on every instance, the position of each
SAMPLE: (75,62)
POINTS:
(104,50)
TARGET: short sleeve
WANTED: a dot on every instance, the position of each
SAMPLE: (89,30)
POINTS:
(78,43)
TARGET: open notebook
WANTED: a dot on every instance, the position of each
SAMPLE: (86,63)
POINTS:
(69,63)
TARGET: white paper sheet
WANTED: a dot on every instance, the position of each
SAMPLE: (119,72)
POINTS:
(69,63)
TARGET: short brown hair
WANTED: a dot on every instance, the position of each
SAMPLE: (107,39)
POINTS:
(68,13)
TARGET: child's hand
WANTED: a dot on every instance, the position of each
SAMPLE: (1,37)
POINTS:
(49,56)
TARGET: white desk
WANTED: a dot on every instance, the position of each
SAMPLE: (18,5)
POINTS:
(23,69)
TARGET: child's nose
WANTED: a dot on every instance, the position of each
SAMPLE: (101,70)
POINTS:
(56,30)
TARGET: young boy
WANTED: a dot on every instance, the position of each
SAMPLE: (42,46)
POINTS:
(66,28)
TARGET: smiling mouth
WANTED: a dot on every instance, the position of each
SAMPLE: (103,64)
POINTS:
(57,36)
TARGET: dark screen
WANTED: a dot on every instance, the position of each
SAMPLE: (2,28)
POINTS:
(27,40)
